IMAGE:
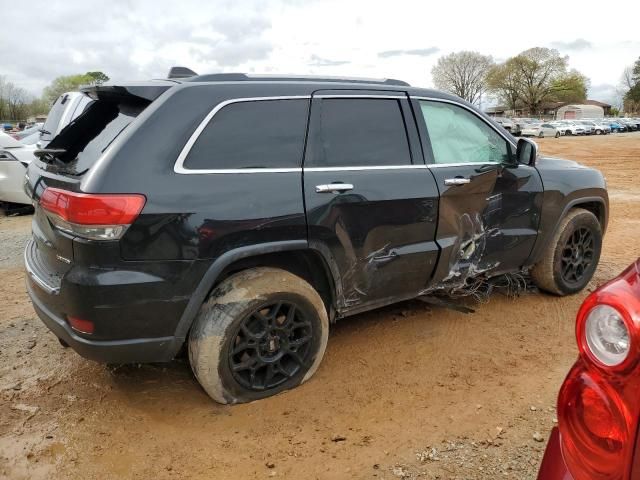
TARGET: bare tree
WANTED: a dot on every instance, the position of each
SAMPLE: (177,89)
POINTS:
(463,74)
(16,100)
(3,101)
(626,80)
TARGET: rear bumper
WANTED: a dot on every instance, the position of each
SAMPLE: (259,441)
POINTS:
(131,325)
(139,350)
(553,466)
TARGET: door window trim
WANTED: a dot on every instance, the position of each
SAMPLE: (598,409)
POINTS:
(453,102)
(398,97)
(179,167)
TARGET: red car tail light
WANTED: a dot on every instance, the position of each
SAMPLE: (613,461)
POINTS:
(594,427)
(91,216)
(599,402)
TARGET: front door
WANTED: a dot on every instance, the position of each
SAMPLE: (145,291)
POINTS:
(489,205)
(371,203)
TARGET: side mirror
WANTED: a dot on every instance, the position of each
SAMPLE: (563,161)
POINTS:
(527,152)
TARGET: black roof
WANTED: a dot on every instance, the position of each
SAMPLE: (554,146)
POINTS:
(245,77)
(303,85)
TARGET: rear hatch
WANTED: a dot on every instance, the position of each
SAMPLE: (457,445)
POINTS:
(68,158)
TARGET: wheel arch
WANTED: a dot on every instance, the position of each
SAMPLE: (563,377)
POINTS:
(294,256)
(594,204)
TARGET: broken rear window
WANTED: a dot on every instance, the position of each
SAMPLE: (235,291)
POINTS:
(88,136)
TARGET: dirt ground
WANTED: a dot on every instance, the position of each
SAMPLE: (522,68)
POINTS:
(409,391)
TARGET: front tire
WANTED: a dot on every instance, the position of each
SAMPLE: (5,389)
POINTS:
(261,332)
(571,257)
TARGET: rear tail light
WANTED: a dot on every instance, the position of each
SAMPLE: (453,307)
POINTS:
(91,216)
(595,427)
(607,335)
(599,402)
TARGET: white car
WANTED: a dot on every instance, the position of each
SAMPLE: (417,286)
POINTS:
(589,128)
(540,130)
(507,124)
(15,157)
(599,127)
(573,128)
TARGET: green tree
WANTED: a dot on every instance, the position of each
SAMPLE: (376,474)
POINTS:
(636,71)
(570,88)
(68,83)
(631,85)
(538,69)
(98,77)
(38,106)
(463,74)
(504,81)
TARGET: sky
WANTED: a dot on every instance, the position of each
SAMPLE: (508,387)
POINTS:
(138,40)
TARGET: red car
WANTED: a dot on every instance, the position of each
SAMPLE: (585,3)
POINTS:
(597,437)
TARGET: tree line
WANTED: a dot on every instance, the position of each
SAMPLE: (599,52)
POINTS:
(528,80)
(16,104)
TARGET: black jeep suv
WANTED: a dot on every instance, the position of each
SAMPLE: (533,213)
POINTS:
(242,215)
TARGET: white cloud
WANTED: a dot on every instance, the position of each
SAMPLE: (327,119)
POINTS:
(577,44)
(142,39)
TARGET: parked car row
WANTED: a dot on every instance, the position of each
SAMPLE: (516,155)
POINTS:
(530,127)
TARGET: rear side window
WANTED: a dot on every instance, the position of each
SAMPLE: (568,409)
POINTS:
(255,134)
(88,136)
(357,132)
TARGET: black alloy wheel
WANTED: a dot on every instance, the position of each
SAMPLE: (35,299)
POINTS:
(577,255)
(270,346)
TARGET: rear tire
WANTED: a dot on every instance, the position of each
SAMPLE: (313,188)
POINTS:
(261,332)
(571,257)
(557,134)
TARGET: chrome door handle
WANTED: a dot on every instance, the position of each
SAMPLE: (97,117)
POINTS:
(334,187)
(457,181)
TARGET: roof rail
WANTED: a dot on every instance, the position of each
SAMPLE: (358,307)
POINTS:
(246,77)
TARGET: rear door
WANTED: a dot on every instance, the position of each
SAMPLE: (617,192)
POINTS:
(371,204)
(489,205)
